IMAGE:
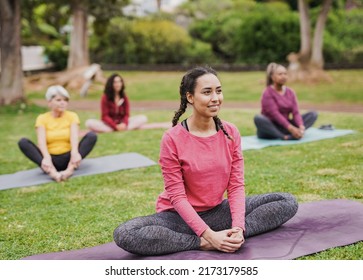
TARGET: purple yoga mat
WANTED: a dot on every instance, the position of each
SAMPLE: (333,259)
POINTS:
(317,226)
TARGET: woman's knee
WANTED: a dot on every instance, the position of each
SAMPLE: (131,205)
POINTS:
(92,137)
(125,234)
(291,204)
(22,142)
(258,119)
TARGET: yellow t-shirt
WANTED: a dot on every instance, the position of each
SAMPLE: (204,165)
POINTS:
(58,131)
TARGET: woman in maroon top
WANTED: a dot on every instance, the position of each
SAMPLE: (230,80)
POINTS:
(115,109)
(280,118)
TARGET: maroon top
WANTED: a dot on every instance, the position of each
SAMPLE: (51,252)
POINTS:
(278,108)
(113,114)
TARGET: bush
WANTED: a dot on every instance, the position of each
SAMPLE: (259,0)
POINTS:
(157,41)
(58,54)
(251,33)
(343,40)
(268,35)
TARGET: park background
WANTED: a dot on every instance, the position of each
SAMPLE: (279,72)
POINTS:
(151,47)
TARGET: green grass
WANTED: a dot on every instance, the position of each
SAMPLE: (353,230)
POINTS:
(84,211)
(239,86)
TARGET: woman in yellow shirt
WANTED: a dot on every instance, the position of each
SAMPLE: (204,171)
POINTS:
(58,152)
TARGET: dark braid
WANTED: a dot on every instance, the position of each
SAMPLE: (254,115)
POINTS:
(183,104)
(188,84)
(220,125)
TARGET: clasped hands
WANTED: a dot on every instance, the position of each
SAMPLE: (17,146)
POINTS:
(296,132)
(229,240)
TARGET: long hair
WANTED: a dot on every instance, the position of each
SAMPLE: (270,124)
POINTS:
(109,91)
(270,70)
(188,84)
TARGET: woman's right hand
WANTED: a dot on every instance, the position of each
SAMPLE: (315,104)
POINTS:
(121,127)
(224,240)
(47,164)
(296,132)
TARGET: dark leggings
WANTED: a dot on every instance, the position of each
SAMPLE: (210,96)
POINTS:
(166,232)
(266,129)
(60,162)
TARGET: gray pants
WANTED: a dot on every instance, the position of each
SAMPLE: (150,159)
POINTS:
(166,232)
(267,129)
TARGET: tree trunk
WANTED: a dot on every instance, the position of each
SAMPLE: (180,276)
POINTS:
(158,5)
(305,32)
(307,65)
(11,79)
(317,59)
(78,53)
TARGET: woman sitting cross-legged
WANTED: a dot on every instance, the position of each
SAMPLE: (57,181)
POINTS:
(115,110)
(201,159)
(280,117)
(58,152)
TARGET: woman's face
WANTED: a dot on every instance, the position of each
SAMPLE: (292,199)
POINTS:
(207,97)
(279,76)
(117,84)
(58,103)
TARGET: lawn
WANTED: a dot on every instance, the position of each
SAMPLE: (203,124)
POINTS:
(84,211)
(238,86)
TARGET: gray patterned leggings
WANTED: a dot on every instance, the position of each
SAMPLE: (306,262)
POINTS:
(166,232)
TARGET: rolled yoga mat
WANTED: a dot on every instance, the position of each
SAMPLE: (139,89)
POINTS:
(89,166)
(317,226)
(311,134)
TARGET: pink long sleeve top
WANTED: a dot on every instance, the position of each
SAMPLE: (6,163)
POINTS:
(278,108)
(197,171)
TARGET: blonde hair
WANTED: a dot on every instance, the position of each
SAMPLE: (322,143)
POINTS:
(270,70)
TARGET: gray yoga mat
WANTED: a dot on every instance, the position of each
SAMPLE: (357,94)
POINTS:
(89,166)
(311,134)
(317,226)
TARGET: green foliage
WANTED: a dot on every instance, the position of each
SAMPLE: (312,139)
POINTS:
(57,53)
(343,38)
(250,33)
(146,41)
(268,34)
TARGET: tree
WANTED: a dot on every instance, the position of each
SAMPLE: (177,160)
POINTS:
(11,87)
(78,49)
(309,62)
(103,11)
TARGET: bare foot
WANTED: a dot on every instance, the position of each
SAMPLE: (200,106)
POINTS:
(66,174)
(205,245)
(55,175)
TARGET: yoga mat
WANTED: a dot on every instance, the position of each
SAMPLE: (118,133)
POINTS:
(317,226)
(89,166)
(311,134)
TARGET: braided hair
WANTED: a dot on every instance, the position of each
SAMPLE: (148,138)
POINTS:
(109,90)
(188,84)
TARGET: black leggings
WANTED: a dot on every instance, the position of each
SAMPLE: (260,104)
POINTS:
(60,162)
(166,232)
(267,129)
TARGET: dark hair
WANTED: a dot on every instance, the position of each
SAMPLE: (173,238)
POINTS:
(188,84)
(109,91)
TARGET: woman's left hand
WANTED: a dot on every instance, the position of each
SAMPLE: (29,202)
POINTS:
(237,232)
(76,159)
